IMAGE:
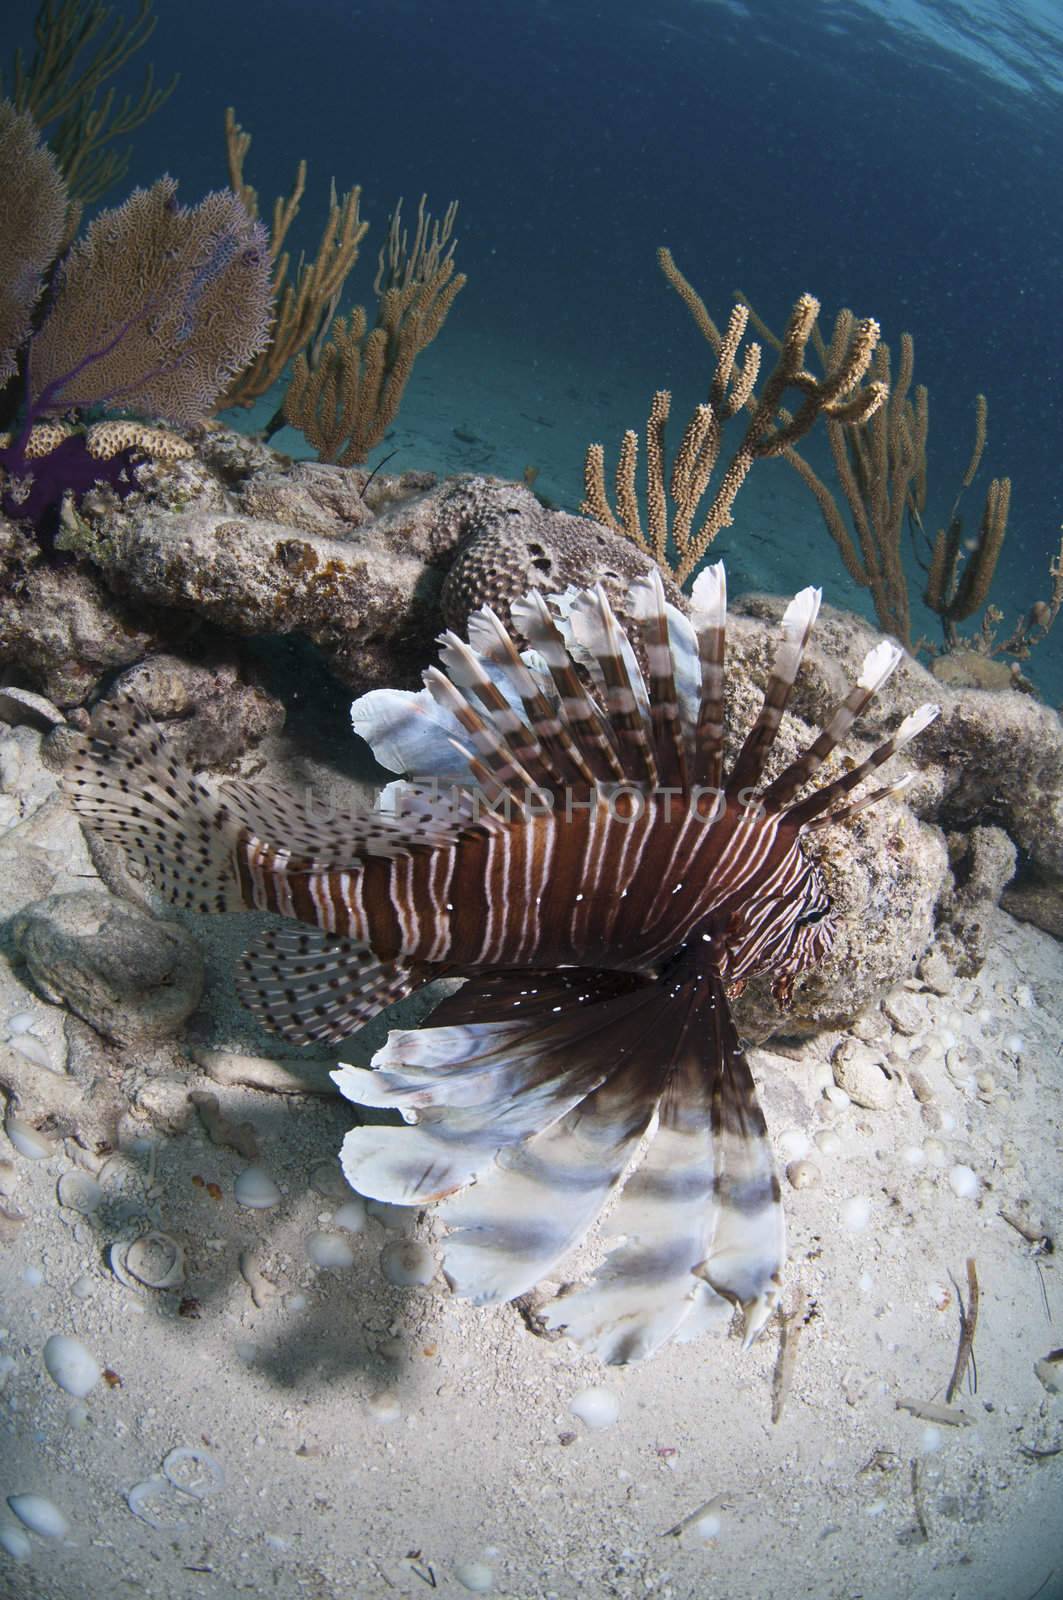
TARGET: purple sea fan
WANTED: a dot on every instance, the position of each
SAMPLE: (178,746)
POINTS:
(155,309)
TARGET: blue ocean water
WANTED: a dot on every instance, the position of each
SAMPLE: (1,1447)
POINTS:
(903,158)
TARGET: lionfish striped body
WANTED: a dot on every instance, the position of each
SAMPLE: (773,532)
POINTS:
(566,839)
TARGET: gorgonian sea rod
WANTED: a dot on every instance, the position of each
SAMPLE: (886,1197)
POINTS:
(569,840)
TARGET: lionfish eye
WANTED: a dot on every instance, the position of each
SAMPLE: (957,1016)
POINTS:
(810,918)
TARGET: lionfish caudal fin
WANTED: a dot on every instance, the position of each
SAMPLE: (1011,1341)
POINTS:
(246,847)
(525,1125)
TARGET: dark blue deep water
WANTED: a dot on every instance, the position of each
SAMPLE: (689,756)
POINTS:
(903,159)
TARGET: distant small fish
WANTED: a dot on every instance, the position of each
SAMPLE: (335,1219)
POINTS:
(568,840)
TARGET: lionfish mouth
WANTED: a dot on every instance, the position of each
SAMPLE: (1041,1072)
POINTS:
(590,1059)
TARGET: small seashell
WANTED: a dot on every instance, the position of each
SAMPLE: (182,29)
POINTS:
(855,1213)
(329,1250)
(154,1501)
(116,1254)
(70,1365)
(930,1440)
(934,1151)
(803,1174)
(476,1576)
(905,1012)
(865,1075)
(963,1182)
(384,1407)
(39,1515)
(20,1022)
(350,1216)
(1049,1370)
(837,1096)
(155,1260)
(255,1189)
(17,1546)
(79,1192)
(828,1141)
(34,1049)
(26,1140)
(794,1143)
(193,1471)
(913,1155)
(407,1263)
(596,1407)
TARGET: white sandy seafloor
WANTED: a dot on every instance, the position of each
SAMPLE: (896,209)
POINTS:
(368,1441)
(375,1441)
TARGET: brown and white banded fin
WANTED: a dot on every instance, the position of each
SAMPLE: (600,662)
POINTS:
(808,813)
(590,731)
(488,635)
(467,671)
(703,1204)
(647,602)
(477,1087)
(128,787)
(312,987)
(481,732)
(709,615)
(608,652)
(797,623)
(879,663)
(304,838)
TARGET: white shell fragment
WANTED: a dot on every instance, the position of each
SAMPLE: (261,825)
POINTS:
(193,1471)
(407,1263)
(963,1182)
(329,1250)
(476,1576)
(156,1260)
(1049,1372)
(26,1140)
(34,1050)
(256,1190)
(865,1075)
(384,1407)
(596,1407)
(154,1501)
(70,1365)
(39,1515)
(351,1215)
(15,1543)
(79,1191)
(803,1174)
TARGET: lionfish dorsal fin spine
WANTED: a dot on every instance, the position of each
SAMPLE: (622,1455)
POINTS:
(466,670)
(646,599)
(806,812)
(709,615)
(488,634)
(878,664)
(797,623)
(589,730)
(612,661)
(485,738)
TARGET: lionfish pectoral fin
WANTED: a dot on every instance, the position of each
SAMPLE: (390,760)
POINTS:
(531,1098)
(701,1216)
(128,787)
(313,987)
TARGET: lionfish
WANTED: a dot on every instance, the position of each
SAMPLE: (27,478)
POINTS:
(568,841)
